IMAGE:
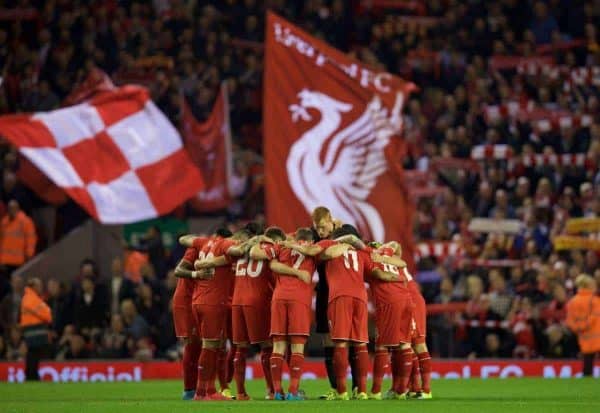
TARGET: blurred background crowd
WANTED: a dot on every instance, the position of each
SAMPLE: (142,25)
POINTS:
(506,88)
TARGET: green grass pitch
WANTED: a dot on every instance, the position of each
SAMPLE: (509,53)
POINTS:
(461,396)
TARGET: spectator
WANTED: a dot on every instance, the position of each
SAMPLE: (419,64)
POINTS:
(494,348)
(91,309)
(559,343)
(113,344)
(500,299)
(16,349)
(121,288)
(17,238)
(135,324)
(152,243)
(35,321)
(10,305)
(61,304)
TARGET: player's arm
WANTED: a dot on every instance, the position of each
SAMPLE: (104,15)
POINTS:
(334,251)
(391,244)
(211,262)
(185,270)
(187,240)
(258,254)
(286,270)
(395,260)
(352,240)
(384,275)
(308,250)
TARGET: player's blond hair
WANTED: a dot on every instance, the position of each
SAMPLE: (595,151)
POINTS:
(320,213)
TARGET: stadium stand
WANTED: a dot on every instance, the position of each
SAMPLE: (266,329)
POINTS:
(506,125)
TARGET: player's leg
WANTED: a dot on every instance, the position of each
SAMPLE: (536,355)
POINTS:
(279,331)
(359,335)
(296,366)
(241,341)
(279,347)
(213,331)
(340,320)
(225,359)
(401,368)
(201,381)
(381,362)
(322,327)
(328,349)
(258,324)
(424,367)
(185,330)
(384,339)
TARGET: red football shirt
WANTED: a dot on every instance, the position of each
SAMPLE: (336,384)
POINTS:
(287,287)
(387,292)
(253,282)
(217,290)
(346,273)
(184,290)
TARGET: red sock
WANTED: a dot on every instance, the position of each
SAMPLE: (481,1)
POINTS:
(265,361)
(403,359)
(396,367)
(208,369)
(230,357)
(362,365)
(276,371)
(340,364)
(296,362)
(425,367)
(239,369)
(191,354)
(381,363)
(222,368)
(415,375)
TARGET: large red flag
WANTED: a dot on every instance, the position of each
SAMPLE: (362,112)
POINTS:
(209,146)
(332,129)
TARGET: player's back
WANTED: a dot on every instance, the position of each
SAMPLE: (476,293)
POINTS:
(217,289)
(385,292)
(345,274)
(289,287)
(253,282)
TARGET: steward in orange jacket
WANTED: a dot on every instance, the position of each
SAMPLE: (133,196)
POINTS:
(17,237)
(36,317)
(583,317)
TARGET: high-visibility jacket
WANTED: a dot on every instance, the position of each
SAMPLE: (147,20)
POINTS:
(583,317)
(36,317)
(17,239)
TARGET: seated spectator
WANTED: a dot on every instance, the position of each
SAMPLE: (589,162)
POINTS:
(91,309)
(77,349)
(559,343)
(494,348)
(500,299)
(15,345)
(10,305)
(61,303)
(135,325)
(113,344)
(121,287)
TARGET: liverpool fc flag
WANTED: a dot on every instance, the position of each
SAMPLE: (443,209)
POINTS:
(332,137)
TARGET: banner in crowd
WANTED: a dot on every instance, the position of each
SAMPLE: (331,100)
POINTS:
(331,137)
(488,225)
(209,146)
(582,225)
(572,242)
(116,155)
(112,371)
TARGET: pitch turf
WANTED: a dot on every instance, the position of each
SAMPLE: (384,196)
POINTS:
(461,396)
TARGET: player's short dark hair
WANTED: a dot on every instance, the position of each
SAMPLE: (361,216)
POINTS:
(304,234)
(375,244)
(345,229)
(275,233)
(255,228)
(223,232)
(242,234)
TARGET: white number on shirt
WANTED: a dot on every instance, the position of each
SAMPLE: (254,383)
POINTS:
(351,255)
(391,269)
(250,267)
(299,259)
(407,275)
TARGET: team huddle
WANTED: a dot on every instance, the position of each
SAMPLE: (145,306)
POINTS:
(256,288)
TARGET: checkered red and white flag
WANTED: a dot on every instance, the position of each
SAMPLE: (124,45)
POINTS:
(116,155)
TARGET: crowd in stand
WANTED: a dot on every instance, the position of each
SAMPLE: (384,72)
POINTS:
(471,60)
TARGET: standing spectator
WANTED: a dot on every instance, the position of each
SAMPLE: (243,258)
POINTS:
(152,243)
(10,305)
(17,238)
(583,318)
(121,288)
(61,304)
(36,318)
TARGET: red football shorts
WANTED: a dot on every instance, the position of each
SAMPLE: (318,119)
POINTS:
(251,323)
(419,315)
(394,323)
(290,318)
(183,318)
(348,319)
(211,320)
